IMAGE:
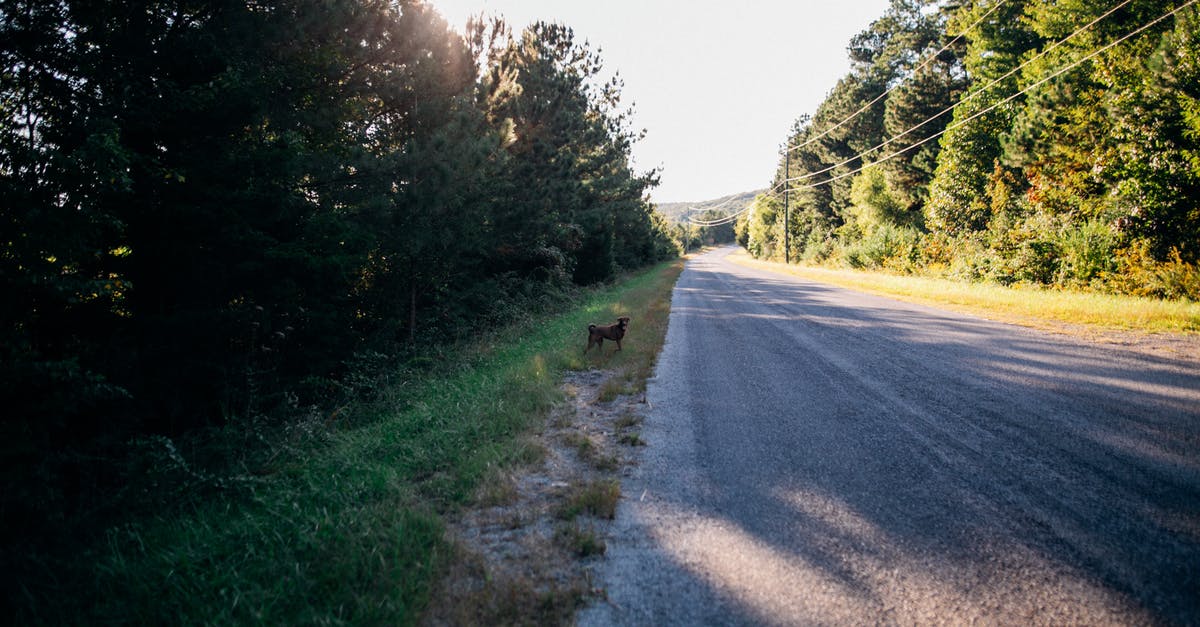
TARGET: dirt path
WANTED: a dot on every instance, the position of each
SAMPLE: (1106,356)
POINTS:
(526,549)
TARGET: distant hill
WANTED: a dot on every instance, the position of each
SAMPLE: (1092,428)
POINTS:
(679,211)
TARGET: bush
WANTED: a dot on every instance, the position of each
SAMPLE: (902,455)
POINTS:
(886,245)
(1087,253)
(1023,249)
(818,246)
(1178,279)
(1139,274)
(1035,261)
(969,258)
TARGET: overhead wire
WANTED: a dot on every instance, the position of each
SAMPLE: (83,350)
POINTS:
(774,189)
(920,67)
(716,221)
(723,220)
(915,71)
(976,115)
(967,98)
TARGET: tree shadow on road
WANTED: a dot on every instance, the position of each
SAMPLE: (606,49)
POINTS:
(865,459)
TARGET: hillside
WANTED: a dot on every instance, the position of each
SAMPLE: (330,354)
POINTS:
(677,212)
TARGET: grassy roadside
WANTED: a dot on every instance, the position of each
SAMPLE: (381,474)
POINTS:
(347,526)
(1027,306)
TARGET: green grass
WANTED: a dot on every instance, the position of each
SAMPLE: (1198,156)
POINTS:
(347,529)
(1023,305)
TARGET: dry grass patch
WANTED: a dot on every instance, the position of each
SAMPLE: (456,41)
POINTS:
(631,439)
(580,540)
(487,597)
(497,488)
(613,389)
(627,420)
(1029,306)
(594,498)
(583,445)
(591,453)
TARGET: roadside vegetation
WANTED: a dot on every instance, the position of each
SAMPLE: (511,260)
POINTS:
(279,284)
(1022,143)
(342,520)
(1027,305)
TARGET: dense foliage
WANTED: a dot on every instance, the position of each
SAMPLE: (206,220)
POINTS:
(212,211)
(1054,142)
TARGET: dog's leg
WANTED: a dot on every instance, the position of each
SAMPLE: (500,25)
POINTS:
(618,345)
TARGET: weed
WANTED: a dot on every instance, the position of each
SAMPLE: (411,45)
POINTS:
(582,541)
(562,419)
(627,420)
(496,489)
(582,444)
(588,452)
(515,520)
(634,440)
(596,498)
(509,598)
(612,389)
(530,452)
(606,463)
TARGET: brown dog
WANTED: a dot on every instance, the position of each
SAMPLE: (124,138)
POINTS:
(597,334)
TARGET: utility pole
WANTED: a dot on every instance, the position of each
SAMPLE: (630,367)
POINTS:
(787,215)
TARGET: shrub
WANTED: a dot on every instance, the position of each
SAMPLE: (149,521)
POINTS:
(1035,261)
(1087,253)
(1178,279)
(886,245)
(1137,272)
(818,246)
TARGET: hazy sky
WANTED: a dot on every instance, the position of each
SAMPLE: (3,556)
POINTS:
(715,84)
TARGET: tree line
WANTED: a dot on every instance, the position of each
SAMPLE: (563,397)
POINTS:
(223,210)
(1014,141)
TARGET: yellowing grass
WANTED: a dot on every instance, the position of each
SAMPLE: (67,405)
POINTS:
(1022,305)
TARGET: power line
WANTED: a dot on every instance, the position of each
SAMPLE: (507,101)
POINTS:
(784,183)
(967,98)
(1005,101)
(723,220)
(920,67)
(717,221)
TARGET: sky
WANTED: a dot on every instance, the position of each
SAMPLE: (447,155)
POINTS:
(715,84)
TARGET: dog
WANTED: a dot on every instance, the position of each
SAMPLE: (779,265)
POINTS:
(598,333)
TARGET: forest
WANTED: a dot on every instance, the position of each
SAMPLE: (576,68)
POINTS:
(1051,143)
(219,218)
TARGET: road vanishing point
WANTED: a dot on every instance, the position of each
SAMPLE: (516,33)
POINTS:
(821,456)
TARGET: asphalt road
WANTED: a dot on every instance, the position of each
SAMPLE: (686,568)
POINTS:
(820,456)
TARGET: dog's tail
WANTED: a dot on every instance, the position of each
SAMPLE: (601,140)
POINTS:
(591,327)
